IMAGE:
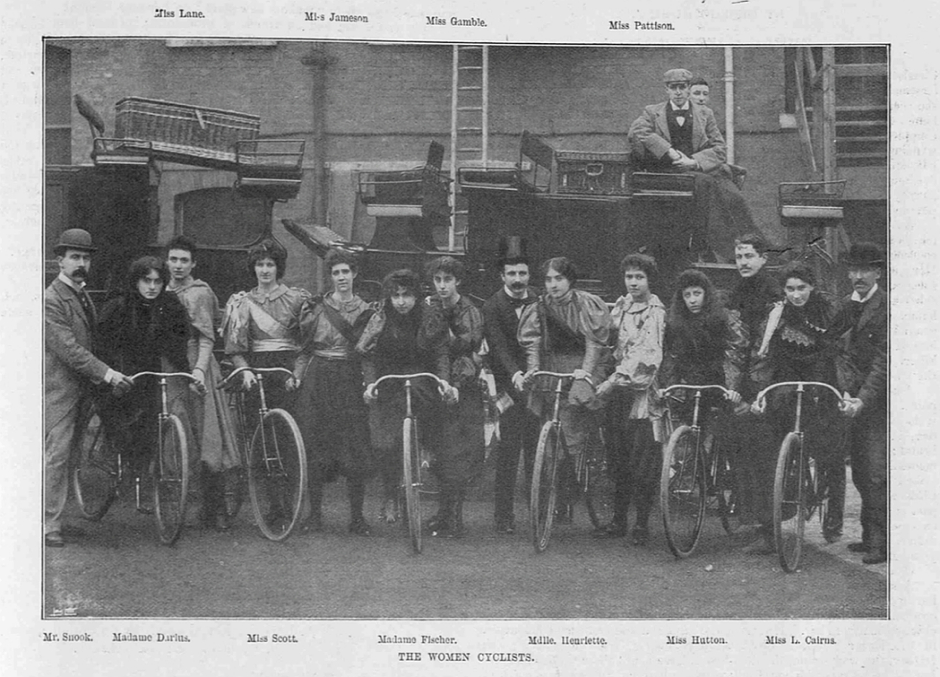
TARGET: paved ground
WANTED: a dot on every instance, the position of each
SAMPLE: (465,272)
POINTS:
(120,570)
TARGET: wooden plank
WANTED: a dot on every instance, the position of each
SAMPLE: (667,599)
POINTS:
(861,70)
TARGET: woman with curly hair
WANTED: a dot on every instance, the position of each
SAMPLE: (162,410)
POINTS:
(798,348)
(396,340)
(145,328)
(705,343)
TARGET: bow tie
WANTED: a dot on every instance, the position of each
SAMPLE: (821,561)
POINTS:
(517,303)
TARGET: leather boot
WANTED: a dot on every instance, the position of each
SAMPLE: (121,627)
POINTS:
(213,514)
(440,524)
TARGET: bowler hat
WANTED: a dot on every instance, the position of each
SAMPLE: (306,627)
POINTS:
(511,249)
(864,255)
(677,75)
(74,238)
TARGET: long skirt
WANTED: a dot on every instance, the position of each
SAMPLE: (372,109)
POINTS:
(333,420)
(209,420)
(459,459)
(578,423)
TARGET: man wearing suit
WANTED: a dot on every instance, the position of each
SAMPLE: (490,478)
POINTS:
(861,325)
(519,427)
(681,136)
(71,368)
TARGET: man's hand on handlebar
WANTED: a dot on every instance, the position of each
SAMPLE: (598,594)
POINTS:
(518,381)
(120,383)
(733,396)
(369,396)
(851,406)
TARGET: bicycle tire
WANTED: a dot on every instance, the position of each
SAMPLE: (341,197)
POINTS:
(791,483)
(728,502)
(95,475)
(411,481)
(544,489)
(277,474)
(170,471)
(599,490)
(682,491)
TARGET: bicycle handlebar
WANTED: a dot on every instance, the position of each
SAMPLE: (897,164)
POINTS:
(552,373)
(800,385)
(162,374)
(684,386)
(441,383)
(265,370)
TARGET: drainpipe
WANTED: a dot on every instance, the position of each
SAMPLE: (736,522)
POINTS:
(729,103)
(319,61)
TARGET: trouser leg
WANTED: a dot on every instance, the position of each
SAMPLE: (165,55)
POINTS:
(59,441)
(870,454)
(356,489)
(507,462)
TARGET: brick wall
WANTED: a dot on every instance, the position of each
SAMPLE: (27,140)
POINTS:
(386,102)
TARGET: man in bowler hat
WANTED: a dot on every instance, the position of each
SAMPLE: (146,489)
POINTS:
(519,427)
(861,327)
(679,135)
(70,369)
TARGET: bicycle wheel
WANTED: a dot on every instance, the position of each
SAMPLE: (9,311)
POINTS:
(545,485)
(277,474)
(792,484)
(598,490)
(411,481)
(170,470)
(724,480)
(95,474)
(682,491)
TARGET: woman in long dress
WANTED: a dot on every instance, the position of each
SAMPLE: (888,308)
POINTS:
(206,411)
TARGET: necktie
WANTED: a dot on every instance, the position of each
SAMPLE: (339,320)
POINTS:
(85,301)
(518,303)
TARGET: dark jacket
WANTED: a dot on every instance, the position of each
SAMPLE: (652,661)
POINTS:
(134,334)
(861,331)
(501,327)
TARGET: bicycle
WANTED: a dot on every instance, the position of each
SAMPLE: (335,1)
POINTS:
(414,465)
(590,474)
(799,488)
(694,472)
(99,472)
(275,461)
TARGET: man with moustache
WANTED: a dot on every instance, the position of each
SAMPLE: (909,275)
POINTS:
(749,437)
(682,136)
(518,426)
(70,369)
(861,326)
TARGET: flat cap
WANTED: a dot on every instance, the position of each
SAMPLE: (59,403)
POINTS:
(677,75)
(74,238)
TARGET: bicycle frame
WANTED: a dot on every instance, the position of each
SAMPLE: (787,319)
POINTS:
(412,467)
(164,412)
(790,546)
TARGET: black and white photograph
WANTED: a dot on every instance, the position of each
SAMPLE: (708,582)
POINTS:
(381,350)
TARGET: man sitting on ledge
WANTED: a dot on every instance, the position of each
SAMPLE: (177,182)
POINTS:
(681,136)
